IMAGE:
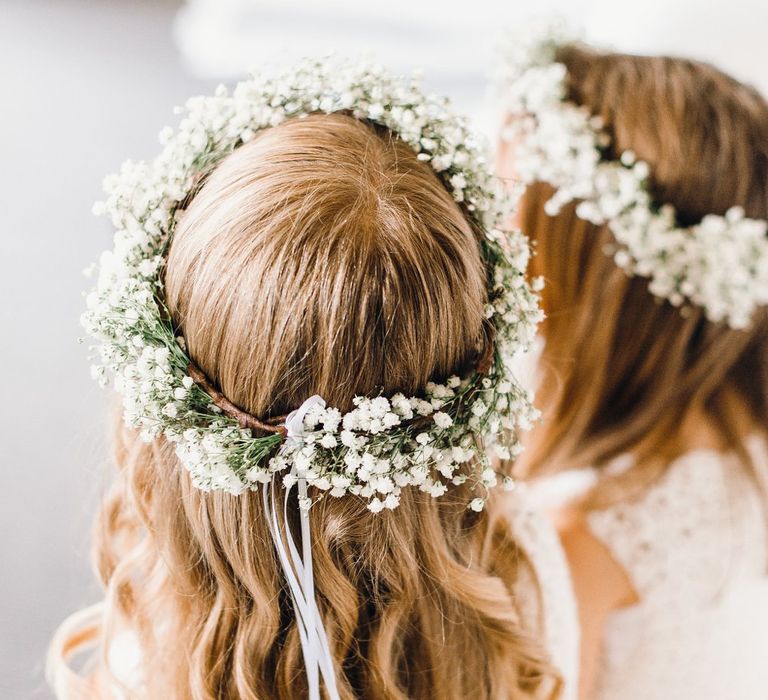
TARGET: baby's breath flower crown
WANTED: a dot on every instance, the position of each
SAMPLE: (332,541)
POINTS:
(720,264)
(385,443)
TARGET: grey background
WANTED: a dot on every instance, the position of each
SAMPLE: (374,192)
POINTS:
(83,85)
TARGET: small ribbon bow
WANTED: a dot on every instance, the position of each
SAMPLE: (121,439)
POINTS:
(294,423)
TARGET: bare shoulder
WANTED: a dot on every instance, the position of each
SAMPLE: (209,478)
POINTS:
(601,586)
(598,578)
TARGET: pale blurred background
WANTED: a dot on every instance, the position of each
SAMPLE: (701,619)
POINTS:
(85,85)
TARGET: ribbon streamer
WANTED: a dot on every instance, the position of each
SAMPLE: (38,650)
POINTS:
(298,571)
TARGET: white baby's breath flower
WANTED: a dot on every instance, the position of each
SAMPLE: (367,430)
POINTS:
(390,420)
(442,420)
(477,504)
(328,441)
(437,489)
(351,422)
(376,505)
(258,475)
(331,419)
(340,481)
(479,408)
(392,501)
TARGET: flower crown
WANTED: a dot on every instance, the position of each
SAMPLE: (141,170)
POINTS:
(386,442)
(719,264)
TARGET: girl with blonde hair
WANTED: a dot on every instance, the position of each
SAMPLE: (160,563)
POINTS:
(646,201)
(309,312)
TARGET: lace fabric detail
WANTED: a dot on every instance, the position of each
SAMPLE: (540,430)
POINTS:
(548,595)
(695,547)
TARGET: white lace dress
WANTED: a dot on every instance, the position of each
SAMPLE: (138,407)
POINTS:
(696,551)
(549,602)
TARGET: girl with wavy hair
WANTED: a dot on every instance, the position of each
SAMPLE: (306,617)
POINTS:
(308,312)
(646,201)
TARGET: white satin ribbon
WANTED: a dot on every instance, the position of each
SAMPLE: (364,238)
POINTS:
(298,570)
(294,423)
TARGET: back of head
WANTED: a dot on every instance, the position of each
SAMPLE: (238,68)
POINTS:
(325,258)
(624,370)
(322,257)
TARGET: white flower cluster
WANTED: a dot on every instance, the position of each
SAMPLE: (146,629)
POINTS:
(378,458)
(720,264)
(383,444)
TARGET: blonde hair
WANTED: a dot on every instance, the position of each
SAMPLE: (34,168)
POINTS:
(323,257)
(621,371)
